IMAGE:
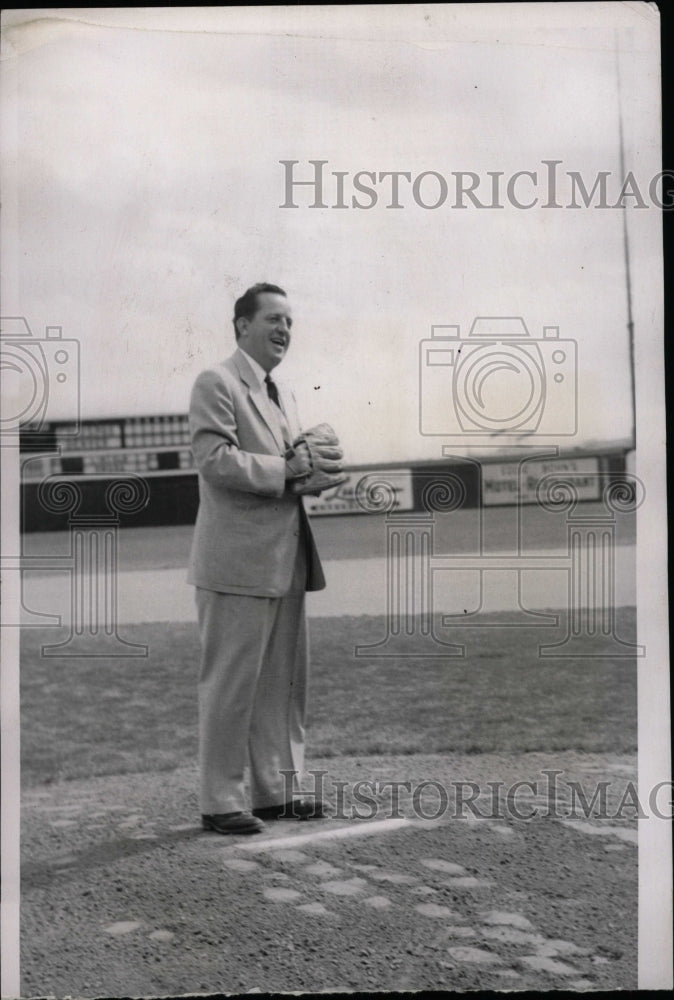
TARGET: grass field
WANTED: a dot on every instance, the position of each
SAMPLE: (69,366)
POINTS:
(84,717)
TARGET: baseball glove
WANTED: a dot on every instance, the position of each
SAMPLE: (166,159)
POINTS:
(326,461)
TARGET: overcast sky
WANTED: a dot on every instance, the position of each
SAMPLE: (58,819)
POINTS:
(149,190)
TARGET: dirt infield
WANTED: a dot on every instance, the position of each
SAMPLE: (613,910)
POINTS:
(123,895)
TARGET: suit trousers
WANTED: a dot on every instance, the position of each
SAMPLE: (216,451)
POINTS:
(252,694)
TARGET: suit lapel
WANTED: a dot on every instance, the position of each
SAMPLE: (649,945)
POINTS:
(289,408)
(259,398)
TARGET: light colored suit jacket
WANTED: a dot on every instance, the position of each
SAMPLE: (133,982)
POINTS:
(248,525)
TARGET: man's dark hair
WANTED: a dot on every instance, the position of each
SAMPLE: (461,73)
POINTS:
(246,306)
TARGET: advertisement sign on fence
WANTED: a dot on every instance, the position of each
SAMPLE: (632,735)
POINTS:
(511,483)
(342,499)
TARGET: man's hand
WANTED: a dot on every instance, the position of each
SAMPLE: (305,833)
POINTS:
(325,458)
(298,465)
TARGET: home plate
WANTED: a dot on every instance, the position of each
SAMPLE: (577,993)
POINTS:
(359,830)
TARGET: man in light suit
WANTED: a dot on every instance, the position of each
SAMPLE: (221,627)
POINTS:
(253,557)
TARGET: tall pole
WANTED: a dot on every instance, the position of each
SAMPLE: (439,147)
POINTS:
(626,251)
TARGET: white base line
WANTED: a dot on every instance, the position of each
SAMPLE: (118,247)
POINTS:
(358,830)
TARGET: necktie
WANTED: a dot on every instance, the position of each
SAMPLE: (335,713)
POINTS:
(272,390)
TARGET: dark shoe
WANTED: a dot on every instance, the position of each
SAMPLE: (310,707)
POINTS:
(297,809)
(236,822)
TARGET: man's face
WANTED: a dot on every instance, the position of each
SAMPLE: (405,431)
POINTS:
(266,336)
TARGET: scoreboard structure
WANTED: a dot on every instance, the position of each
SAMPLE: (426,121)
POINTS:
(93,454)
(149,446)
